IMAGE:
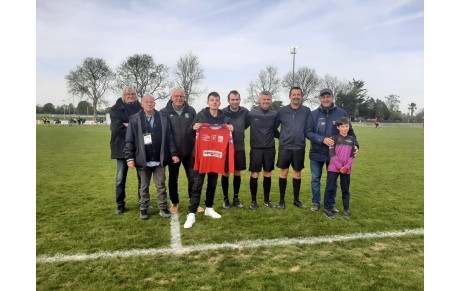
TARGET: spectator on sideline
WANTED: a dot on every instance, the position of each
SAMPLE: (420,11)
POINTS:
(376,122)
(124,107)
(341,154)
(211,114)
(291,151)
(320,129)
(181,116)
(238,117)
(262,155)
(149,147)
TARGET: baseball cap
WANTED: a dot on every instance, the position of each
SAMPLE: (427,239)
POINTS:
(325,91)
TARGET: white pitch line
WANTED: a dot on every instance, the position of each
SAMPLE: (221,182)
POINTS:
(241,244)
(176,242)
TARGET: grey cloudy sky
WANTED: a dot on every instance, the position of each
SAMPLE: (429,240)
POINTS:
(380,42)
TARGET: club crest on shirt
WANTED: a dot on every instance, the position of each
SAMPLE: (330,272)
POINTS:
(213,137)
(187,115)
(220,139)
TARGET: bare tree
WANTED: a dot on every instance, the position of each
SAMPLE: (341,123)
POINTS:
(189,74)
(143,74)
(267,80)
(91,80)
(412,107)
(338,87)
(307,80)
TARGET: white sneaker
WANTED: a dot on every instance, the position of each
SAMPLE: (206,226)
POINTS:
(190,220)
(212,213)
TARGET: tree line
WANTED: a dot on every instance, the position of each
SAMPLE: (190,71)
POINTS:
(91,80)
(349,95)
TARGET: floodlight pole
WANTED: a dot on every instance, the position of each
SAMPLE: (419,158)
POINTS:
(294,50)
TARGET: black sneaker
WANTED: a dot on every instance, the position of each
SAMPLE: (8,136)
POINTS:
(269,204)
(299,204)
(120,209)
(253,205)
(165,213)
(144,215)
(281,206)
(226,204)
(346,214)
(237,203)
(329,214)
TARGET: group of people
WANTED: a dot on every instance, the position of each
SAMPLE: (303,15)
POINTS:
(149,140)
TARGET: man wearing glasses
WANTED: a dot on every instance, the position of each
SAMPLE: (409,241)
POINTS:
(180,115)
(125,106)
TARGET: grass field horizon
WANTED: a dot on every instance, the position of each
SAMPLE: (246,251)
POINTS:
(75,214)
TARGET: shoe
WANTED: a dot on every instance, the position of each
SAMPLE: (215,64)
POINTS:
(346,214)
(314,208)
(174,208)
(237,203)
(190,220)
(144,215)
(120,209)
(299,204)
(281,206)
(329,214)
(165,213)
(226,204)
(200,209)
(150,207)
(269,204)
(210,212)
(253,205)
(334,210)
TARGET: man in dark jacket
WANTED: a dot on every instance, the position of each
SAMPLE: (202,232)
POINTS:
(291,151)
(263,132)
(125,106)
(149,147)
(320,128)
(238,117)
(181,116)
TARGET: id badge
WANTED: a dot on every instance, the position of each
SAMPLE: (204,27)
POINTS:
(147,138)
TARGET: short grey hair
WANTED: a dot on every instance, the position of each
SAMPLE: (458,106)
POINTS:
(148,96)
(265,92)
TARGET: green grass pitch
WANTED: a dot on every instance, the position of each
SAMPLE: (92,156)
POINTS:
(75,204)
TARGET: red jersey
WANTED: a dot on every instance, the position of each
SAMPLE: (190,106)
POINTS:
(214,149)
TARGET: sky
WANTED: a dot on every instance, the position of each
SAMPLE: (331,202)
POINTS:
(379,42)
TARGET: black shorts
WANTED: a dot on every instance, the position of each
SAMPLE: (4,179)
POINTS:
(259,158)
(240,160)
(294,158)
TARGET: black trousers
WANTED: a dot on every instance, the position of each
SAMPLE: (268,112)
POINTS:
(198,182)
(173,180)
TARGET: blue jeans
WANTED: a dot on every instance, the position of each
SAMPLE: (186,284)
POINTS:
(316,169)
(120,184)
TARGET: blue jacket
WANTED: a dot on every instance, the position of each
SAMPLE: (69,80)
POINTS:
(321,124)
